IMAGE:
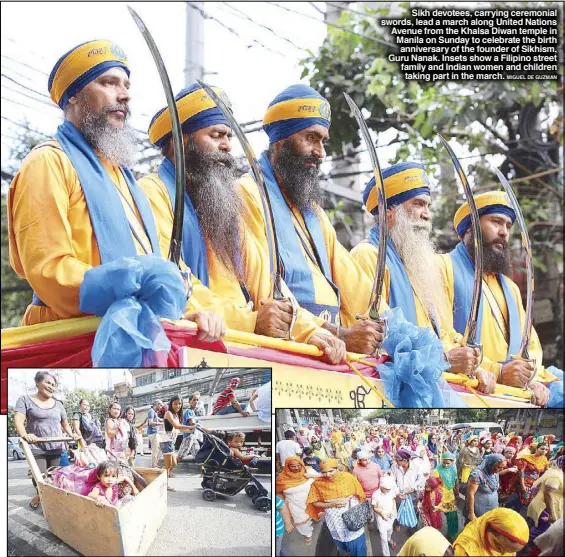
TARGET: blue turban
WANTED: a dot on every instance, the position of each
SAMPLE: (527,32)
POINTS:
(298,107)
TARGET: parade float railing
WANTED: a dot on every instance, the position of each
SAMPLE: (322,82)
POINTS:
(299,374)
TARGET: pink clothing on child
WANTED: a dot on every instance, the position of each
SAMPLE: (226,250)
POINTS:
(102,490)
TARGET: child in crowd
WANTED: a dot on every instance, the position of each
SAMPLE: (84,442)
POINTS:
(311,460)
(384,505)
(429,504)
(283,523)
(105,492)
(236,440)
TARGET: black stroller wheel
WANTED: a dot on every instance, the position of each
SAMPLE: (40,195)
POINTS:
(263,504)
(208,495)
(252,490)
(205,484)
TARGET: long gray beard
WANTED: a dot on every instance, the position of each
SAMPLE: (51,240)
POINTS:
(211,186)
(301,183)
(117,145)
(412,241)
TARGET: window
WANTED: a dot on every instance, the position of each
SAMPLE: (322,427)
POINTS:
(171,373)
(145,380)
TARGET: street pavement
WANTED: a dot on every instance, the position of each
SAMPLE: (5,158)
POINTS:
(227,526)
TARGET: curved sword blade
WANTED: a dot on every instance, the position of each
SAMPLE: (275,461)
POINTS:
(176,234)
(274,260)
(528,322)
(376,294)
(469,337)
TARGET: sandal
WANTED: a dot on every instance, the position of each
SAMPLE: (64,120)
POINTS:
(169,488)
(392,544)
(34,506)
(308,541)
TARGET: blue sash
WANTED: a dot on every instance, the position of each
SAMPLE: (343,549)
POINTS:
(463,277)
(401,291)
(107,216)
(296,271)
(193,243)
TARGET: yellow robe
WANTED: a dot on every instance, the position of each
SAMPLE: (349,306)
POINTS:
(224,295)
(495,346)
(366,256)
(347,275)
(51,240)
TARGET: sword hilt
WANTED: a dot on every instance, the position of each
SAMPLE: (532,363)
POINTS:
(533,363)
(187,279)
(380,320)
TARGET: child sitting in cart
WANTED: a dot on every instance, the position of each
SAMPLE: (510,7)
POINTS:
(236,440)
(106,492)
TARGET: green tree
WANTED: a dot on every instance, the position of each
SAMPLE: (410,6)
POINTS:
(350,414)
(98,402)
(11,428)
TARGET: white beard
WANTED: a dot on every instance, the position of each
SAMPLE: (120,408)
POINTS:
(412,241)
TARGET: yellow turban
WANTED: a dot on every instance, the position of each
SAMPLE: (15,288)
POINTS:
(402,182)
(487,203)
(196,111)
(82,64)
(328,463)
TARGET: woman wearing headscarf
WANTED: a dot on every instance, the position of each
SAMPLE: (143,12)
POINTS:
(499,444)
(422,464)
(382,459)
(293,486)
(486,447)
(429,503)
(469,458)
(433,449)
(407,480)
(530,468)
(527,446)
(482,491)
(507,490)
(498,532)
(387,445)
(427,541)
(547,500)
(515,441)
(334,494)
(449,491)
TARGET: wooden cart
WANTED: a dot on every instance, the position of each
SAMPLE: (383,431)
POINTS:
(92,530)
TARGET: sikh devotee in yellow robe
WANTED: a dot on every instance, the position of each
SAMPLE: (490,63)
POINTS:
(501,314)
(413,279)
(318,270)
(217,246)
(74,204)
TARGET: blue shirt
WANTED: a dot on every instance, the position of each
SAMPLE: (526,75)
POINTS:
(279,523)
(187,416)
(151,415)
(313,461)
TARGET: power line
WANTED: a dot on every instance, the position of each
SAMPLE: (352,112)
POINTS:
(347,9)
(363,35)
(27,128)
(24,64)
(46,103)
(243,15)
(232,31)
(25,86)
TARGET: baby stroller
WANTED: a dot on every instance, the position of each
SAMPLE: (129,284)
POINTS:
(225,475)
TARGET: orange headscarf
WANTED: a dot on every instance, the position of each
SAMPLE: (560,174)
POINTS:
(540,462)
(323,489)
(287,479)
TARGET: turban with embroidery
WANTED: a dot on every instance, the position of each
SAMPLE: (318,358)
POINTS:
(196,111)
(402,182)
(487,203)
(298,107)
(81,65)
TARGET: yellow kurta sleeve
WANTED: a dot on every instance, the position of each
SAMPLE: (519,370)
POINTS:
(224,296)
(495,346)
(51,240)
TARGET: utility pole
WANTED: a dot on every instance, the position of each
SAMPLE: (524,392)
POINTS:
(194,49)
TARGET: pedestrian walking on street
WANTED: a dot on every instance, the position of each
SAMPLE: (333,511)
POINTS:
(384,505)
(41,415)
(469,458)
(530,468)
(154,424)
(482,491)
(85,425)
(449,493)
(334,494)
(429,503)
(293,485)
(407,480)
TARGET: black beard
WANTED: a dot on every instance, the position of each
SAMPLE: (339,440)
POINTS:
(493,261)
(301,183)
(210,183)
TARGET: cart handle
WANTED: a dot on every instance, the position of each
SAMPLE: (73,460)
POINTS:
(35,472)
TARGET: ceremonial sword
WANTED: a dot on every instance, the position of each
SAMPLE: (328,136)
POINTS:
(469,337)
(523,352)
(376,294)
(280,289)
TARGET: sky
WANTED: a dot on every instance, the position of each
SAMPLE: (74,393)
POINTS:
(21,381)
